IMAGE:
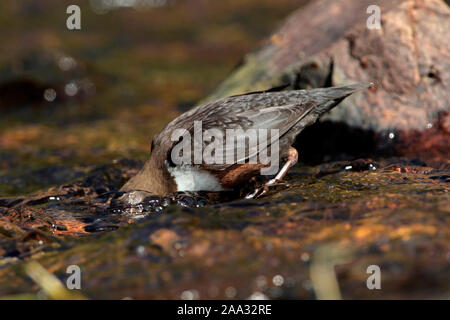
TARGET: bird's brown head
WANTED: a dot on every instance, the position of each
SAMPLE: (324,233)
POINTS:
(153,178)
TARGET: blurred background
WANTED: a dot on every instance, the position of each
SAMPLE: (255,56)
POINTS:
(84,97)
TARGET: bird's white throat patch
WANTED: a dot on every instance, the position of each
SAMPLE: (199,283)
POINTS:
(189,178)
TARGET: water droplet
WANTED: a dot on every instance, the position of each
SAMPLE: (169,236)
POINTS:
(50,94)
(258,296)
(140,251)
(305,257)
(66,63)
(278,280)
(71,89)
(189,295)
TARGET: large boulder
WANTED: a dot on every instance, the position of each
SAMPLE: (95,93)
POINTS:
(329,43)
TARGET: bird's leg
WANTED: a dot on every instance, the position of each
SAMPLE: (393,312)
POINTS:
(292,159)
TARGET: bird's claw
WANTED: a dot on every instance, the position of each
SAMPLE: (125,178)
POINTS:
(259,192)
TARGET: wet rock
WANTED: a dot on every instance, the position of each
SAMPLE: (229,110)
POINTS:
(408,57)
(100,227)
(40,236)
(10,202)
(60,227)
(444,178)
(165,238)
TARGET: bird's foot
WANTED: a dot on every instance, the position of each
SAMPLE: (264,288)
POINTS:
(259,192)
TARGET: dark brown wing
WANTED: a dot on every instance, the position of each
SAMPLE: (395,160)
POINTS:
(268,110)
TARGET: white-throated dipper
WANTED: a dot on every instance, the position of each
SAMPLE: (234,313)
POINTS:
(223,144)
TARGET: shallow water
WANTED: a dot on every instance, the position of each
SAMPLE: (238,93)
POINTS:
(395,216)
